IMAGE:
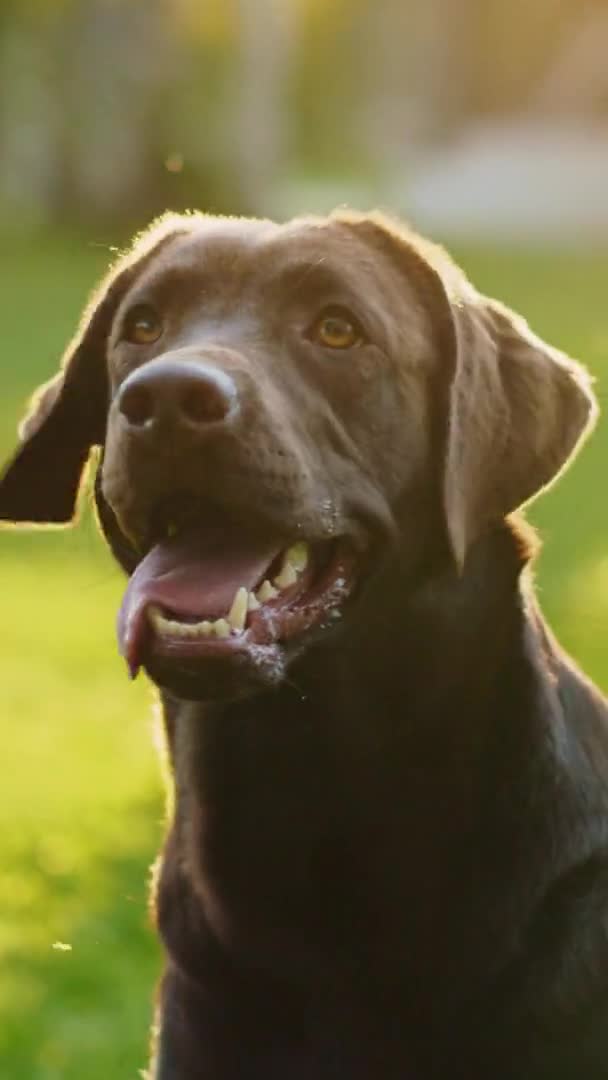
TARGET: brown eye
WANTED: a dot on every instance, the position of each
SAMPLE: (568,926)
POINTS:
(142,325)
(336,329)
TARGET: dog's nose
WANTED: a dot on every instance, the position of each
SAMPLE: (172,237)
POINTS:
(182,393)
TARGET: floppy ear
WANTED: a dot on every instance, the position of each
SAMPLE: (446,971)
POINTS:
(67,415)
(517,411)
(516,408)
(65,419)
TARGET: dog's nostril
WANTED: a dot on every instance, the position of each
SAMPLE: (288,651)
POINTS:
(174,394)
(137,404)
(204,402)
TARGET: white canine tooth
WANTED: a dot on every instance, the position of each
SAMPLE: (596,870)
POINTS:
(238,612)
(221,628)
(297,555)
(155,617)
(288,576)
(204,628)
(266,592)
(252,602)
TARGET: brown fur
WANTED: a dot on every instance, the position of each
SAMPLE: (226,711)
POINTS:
(386,857)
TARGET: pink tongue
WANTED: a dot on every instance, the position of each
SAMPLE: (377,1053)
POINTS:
(195,574)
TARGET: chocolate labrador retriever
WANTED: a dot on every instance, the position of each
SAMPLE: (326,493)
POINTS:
(388,858)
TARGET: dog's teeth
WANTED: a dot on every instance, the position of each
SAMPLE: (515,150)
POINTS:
(288,576)
(295,560)
(173,628)
(155,617)
(238,612)
(220,628)
(171,529)
(297,555)
(252,602)
(266,592)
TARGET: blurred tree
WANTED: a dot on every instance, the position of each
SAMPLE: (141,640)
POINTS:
(113,109)
(261,136)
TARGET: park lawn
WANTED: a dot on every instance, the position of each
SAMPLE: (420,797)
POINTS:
(81,807)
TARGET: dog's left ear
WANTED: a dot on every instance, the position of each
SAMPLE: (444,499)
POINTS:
(516,408)
(67,415)
(517,411)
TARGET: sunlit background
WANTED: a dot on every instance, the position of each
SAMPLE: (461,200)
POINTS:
(486,124)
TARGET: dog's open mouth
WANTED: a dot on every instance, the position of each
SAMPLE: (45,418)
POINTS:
(213,590)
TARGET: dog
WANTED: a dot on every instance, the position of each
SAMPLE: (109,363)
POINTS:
(387,858)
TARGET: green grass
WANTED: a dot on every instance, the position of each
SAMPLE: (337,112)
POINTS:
(81,805)
(81,801)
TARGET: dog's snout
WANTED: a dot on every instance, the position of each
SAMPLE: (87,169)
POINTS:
(179,393)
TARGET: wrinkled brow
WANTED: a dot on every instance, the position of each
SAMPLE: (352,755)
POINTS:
(184,281)
(316,277)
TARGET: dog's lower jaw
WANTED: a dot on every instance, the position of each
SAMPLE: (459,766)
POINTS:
(221,680)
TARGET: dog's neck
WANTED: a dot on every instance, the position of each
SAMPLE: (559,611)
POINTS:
(290,805)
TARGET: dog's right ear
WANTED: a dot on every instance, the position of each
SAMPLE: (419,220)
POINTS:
(65,419)
(67,415)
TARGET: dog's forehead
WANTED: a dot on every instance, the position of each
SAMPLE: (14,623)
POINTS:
(242,250)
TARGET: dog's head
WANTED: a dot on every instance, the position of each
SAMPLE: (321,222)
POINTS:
(275,403)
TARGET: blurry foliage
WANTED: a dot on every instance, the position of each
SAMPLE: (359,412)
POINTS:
(96,96)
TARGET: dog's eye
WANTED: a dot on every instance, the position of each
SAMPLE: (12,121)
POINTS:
(337,329)
(142,325)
